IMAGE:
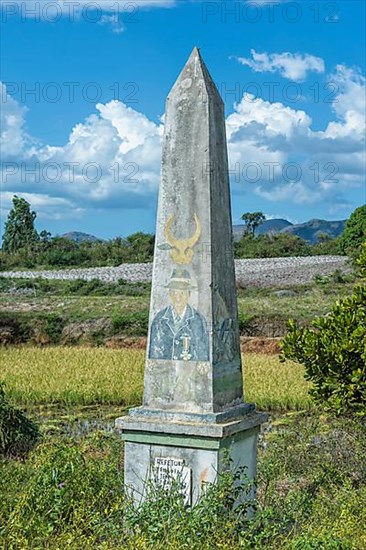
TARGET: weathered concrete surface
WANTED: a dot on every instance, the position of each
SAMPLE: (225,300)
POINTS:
(200,447)
(197,367)
(248,420)
(193,410)
(202,461)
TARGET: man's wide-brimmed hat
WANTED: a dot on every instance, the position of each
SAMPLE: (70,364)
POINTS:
(180,280)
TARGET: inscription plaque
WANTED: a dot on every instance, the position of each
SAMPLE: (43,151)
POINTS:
(169,469)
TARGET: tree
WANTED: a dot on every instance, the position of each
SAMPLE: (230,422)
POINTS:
(323,237)
(271,246)
(333,352)
(252,221)
(45,236)
(20,232)
(140,247)
(361,261)
(354,232)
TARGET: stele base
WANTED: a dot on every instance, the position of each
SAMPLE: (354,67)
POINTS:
(158,445)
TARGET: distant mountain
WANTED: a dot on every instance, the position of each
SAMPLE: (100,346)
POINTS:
(273,226)
(268,226)
(309,231)
(80,237)
(238,231)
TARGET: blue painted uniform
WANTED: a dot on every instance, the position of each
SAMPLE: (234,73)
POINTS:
(183,339)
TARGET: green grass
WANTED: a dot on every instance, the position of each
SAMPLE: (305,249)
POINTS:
(311,484)
(49,307)
(75,308)
(84,376)
(67,298)
(308,302)
(69,492)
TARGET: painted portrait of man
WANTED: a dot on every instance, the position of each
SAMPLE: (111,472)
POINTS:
(179,331)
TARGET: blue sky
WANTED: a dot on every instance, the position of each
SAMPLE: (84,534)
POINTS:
(291,75)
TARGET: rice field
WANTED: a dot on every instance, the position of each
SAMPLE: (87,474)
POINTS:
(99,376)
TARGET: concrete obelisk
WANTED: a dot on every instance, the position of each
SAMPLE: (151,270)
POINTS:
(193,406)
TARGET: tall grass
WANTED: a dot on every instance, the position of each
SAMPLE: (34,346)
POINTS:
(83,376)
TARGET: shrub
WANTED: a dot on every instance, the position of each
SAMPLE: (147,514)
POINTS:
(72,496)
(361,261)
(333,351)
(14,329)
(354,232)
(245,323)
(311,494)
(326,246)
(18,434)
(70,490)
(271,246)
(220,513)
(49,324)
(130,323)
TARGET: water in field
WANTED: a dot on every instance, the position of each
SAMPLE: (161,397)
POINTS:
(75,421)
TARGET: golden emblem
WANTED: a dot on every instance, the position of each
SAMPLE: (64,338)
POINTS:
(182,249)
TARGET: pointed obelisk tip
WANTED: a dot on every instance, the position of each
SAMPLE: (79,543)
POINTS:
(195,68)
(194,55)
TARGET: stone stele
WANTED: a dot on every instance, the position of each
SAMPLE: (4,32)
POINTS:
(193,411)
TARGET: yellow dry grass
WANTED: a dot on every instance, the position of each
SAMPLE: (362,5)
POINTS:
(91,376)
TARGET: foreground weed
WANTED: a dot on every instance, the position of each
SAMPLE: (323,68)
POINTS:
(311,491)
(18,434)
(66,488)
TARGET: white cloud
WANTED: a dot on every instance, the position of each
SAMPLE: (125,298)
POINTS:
(294,66)
(112,159)
(47,207)
(349,105)
(329,163)
(293,192)
(117,153)
(12,120)
(275,117)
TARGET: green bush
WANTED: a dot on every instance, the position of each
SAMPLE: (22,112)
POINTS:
(311,492)
(326,247)
(61,252)
(134,323)
(245,322)
(220,513)
(73,494)
(361,261)
(49,324)
(14,328)
(333,351)
(271,246)
(18,434)
(354,233)
(68,489)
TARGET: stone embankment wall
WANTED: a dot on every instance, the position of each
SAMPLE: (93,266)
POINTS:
(267,272)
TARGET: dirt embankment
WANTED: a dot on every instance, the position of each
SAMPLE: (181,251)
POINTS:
(260,334)
(95,333)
